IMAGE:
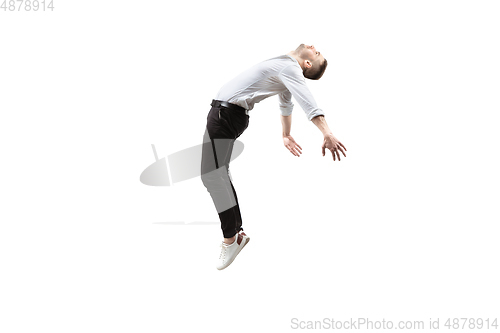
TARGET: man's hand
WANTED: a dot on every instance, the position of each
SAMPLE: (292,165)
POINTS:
(291,145)
(332,144)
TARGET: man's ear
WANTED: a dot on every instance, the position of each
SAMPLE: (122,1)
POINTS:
(307,64)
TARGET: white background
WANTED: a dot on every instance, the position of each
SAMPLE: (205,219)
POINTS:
(404,228)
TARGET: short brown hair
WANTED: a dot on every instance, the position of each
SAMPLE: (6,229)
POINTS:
(315,73)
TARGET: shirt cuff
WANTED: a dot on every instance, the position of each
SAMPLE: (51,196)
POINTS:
(314,113)
(286,111)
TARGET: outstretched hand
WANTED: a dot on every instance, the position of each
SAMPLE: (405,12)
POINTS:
(332,144)
(292,146)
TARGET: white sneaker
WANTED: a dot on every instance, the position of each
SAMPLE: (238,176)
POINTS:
(229,252)
(244,235)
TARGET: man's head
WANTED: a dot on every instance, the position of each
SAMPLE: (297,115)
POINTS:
(312,61)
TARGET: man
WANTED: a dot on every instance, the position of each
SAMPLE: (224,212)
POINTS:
(229,116)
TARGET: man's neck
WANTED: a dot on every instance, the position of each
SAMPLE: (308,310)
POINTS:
(299,60)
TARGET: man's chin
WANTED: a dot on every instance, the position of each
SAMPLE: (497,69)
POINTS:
(301,47)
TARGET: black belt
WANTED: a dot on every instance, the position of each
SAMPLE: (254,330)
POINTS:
(230,106)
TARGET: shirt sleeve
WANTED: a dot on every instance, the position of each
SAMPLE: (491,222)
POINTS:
(295,82)
(286,105)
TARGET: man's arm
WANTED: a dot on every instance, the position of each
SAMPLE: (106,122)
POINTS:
(320,122)
(288,141)
(286,105)
(293,79)
(286,121)
(330,142)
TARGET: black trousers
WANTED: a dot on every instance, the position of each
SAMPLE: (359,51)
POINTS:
(224,126)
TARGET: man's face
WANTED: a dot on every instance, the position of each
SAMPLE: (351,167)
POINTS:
(310,53)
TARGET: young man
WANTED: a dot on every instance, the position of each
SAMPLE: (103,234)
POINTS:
(229,116)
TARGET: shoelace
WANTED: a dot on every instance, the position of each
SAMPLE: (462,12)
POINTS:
(222,252)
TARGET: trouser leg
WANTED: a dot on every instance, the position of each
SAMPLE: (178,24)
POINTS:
(237,212)
(218,143)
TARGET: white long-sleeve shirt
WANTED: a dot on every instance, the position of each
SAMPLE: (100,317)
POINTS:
(279,75)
